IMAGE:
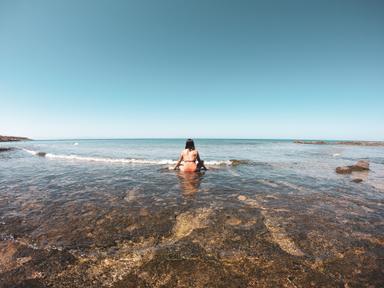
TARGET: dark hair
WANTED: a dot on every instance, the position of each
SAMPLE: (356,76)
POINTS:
(190,145)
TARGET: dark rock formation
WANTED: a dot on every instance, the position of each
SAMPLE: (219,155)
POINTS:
(6,149)
(41,154)
(357,180)
(361,165)
(12,138)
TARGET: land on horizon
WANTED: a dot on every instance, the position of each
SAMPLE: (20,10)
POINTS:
(4,138)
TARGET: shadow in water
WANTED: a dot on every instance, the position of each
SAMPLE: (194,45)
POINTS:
(190,182)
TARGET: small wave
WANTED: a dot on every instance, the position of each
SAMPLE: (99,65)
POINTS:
(30,151)
(36,153)
(128,160)
(236,162)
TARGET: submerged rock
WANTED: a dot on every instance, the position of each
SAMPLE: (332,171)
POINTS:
(131,194)
(6,149)
(278,233)
(361,165)
(357,180)
(281,238)
(189,221)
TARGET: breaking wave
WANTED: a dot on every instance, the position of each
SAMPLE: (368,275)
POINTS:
(129,160)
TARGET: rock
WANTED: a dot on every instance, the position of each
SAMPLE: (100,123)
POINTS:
(360,143)
(344,170)
(357,180)
(188,221)
(12,138)
(310,142)
(41,154)
(143,212)
(6,149)
(361,165)
(352,143)
(233,221)
(131,194)
(242,198)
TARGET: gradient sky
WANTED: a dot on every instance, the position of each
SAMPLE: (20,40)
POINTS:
(201,68)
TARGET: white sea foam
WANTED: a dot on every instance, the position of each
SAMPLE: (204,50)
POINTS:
(30,151)
(123,160)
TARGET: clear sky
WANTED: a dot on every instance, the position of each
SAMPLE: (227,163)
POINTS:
(201,68)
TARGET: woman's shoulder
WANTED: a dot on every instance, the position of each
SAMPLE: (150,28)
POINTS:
(189,151)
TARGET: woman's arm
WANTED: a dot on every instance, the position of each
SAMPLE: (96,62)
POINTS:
(178,161)
(198,158)
(200,163)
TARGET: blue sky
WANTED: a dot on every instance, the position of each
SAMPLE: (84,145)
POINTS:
(203,68)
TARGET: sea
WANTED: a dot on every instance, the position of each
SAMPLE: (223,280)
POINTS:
(108,212)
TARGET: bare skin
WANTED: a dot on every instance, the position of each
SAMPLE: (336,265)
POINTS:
(189,158)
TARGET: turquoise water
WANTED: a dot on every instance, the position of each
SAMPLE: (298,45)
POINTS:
(85,196)
(114,166)
(258,158)
(71,167)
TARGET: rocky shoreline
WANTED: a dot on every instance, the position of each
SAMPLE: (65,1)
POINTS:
(12,138)
(353,143)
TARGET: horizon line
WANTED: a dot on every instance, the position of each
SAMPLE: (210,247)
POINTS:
(200,138)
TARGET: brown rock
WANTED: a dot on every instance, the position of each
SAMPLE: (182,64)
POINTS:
(310,142)
(344,170)
(361,165)
(357,180)
(351,143)
(12,138)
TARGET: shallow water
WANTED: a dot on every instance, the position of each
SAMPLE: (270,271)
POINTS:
(268,213)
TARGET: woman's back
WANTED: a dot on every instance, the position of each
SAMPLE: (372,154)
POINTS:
(190,155)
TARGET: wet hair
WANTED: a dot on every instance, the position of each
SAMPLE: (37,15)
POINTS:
(190,145)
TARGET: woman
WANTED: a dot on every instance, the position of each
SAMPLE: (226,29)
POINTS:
(189,156)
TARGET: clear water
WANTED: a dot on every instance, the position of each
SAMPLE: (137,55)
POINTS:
(84,194)
(259,159)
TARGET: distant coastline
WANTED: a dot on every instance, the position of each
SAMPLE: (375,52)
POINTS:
(296,141)
(353,143)
(13,138)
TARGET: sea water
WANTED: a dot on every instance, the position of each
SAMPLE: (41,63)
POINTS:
(89,198)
